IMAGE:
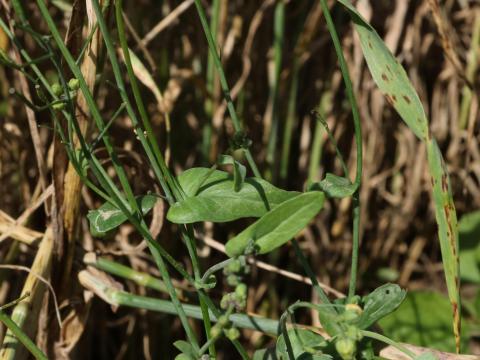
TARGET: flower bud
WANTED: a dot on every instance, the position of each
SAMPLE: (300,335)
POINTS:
(73,84)
(232,333)
(346,348)
(57,89)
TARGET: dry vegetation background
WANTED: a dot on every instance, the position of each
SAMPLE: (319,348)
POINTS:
(398,233)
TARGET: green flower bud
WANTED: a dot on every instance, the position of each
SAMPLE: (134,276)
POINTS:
(353,333)
(57,89)
(73,84)
(346,348)
(215,331)
(58,106)
(232,333)
(226,300)
(232,280)
(241,290)
(223,321)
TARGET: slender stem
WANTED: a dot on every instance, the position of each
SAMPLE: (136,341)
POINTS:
(358,141)
(291,111)
(244,321)
(211,82)
(20,335)
(355,243)
(321,294)
(151,147)
(223,81)
(388,341)
(112,267)
(278,35)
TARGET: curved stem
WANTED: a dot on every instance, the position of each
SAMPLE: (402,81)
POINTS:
(388,341)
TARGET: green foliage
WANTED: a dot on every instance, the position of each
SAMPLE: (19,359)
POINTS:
(335,186)
(108,216)
(379,303)
(187,351)
(389,75)
(277,226)
(211,196)
(392,80)
(423,319)
(265,354)
(303,345)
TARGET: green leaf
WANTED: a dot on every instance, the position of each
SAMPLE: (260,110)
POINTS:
(335,186)
(446,217)
(423,319)
(389,75)
(379,303)
(188,353)
(239,171)
(304,344)
(265,354)
(108,216)
(184,357)
(277,226)
(211,197)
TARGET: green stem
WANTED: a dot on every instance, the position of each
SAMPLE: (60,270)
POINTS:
(278,35)
(358,141)
(112,267)
(291,111)
(223,81)
(388,341)
(211,81)
(243,321)
(20,335)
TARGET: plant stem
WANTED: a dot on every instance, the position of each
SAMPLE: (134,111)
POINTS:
(244,321)
(358,141)
(20,335)
(223,82)
(211,81)
(278,35)
(388,341)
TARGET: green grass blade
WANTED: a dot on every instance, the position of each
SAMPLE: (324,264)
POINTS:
(446,217)
(20,335)
(389,75)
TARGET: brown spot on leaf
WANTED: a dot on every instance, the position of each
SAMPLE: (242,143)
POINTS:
(444,183)
(394,97)
(370,45)
(389,99)
(450,236)
(384,77)
(407,99)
